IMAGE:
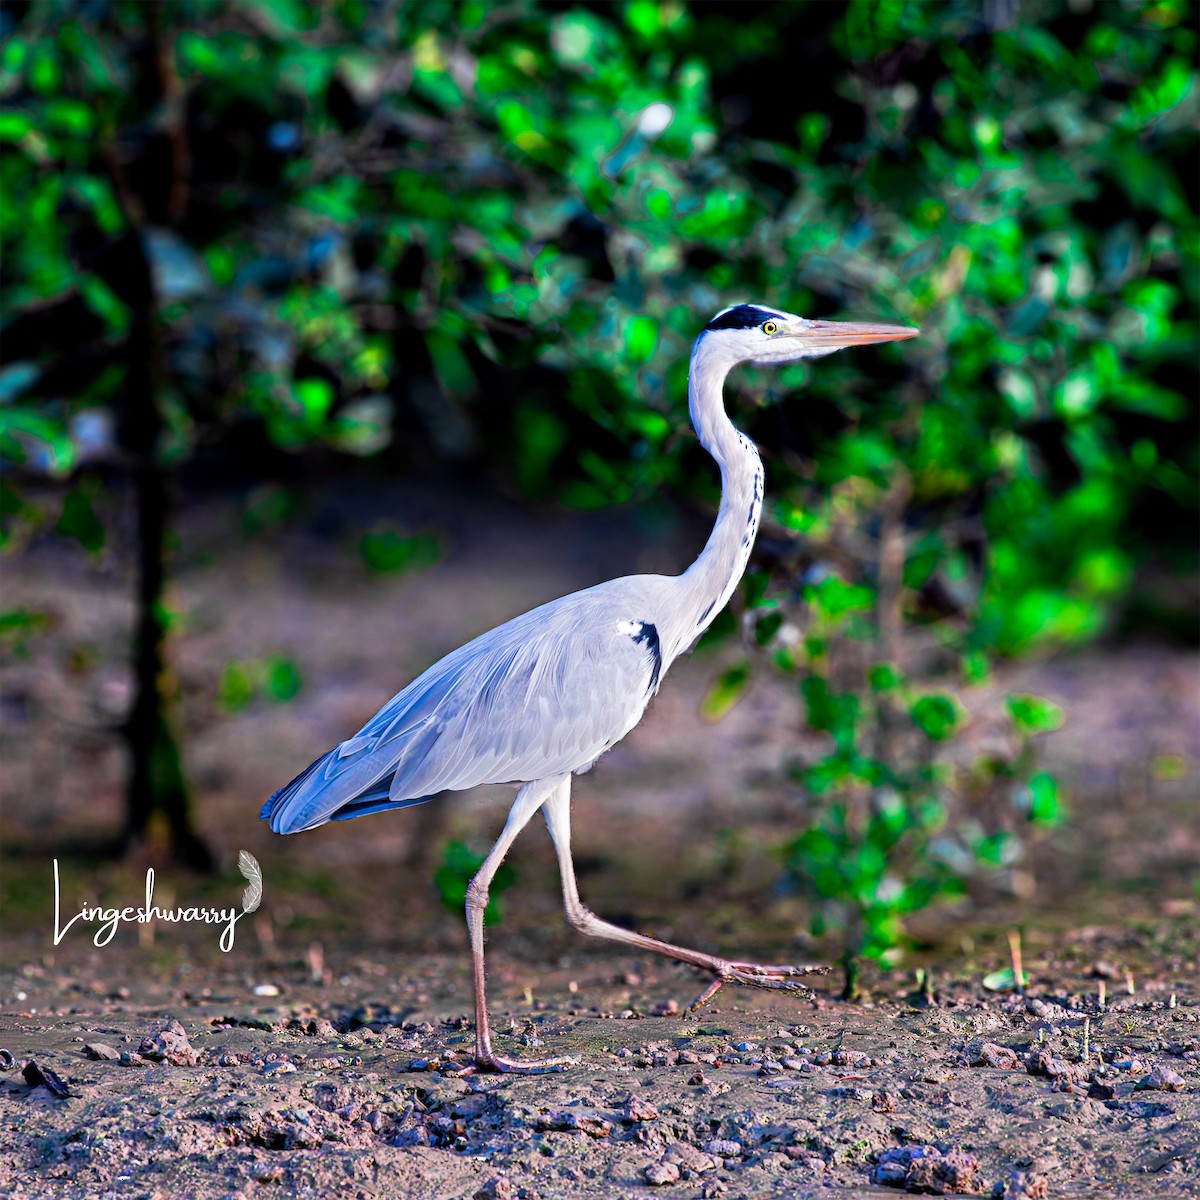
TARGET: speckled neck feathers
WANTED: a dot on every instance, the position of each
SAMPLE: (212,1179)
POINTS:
(710,580)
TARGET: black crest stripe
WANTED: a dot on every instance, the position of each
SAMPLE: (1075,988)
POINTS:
(744,316)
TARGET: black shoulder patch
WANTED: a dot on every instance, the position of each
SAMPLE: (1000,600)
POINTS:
(649,635)
(744,316)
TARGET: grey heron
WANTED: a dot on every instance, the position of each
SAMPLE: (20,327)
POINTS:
(540,698)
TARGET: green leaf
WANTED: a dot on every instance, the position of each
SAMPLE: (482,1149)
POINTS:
(641,338)
(726,691)
(14,125)
(459,866)
(831,712)
(315,398)
(388,550)
(71,116)
(834,598)
(237,687)
(936,715)
(283,680)
(766,627)
(1004,980)
(78,520)
(28,436)
(1033,714)
(1044,805)
(885,677)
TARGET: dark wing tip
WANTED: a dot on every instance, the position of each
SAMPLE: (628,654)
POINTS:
(275,809)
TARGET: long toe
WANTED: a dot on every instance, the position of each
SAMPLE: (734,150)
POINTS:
(490,1062)
(785,972)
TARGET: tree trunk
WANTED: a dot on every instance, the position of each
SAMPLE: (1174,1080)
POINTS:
(156,778)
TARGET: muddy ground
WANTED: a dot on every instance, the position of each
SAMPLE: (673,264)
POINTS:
(349,1089)
(321,1055)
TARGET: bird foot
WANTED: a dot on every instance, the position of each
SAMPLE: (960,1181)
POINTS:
(487,1061)
(776,978)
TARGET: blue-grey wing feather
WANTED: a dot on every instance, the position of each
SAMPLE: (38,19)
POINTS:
(544,694)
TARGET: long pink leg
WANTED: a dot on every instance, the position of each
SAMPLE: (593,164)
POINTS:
(529,799)
(557,809)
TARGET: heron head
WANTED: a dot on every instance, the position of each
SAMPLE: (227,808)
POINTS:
(752,333)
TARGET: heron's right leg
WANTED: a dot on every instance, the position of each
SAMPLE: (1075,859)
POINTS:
(558,818)
(529,799)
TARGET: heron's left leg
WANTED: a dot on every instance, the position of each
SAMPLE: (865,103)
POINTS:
(529,799)
(557,810)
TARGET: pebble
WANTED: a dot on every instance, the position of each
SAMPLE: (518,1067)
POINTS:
(102,1052)
(1160,1079)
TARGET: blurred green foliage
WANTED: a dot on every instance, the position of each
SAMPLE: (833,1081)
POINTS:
(276,677)
(464,232)
(459,866)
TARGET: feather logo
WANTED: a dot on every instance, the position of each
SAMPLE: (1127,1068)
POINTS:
(252,896)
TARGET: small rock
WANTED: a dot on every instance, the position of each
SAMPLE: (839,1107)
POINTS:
(102,1052)
(636,1109)
(266,989)
(499,1188)
(724,1148)
(661,1173)
(170,1044)
(927,1169)
(569,1121)
(1025,1185)
(37,1076)
(1160,1079)
(999,1057)
(278,1067)
(1042,1062)
(689,1160)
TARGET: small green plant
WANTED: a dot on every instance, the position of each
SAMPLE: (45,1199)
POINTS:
(906,807)
(459,866)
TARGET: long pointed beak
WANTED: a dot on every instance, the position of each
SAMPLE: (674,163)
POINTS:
(833,335)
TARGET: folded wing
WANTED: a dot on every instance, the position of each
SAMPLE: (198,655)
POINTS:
(544,694)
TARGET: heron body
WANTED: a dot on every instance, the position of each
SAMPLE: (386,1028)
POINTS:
(540,698)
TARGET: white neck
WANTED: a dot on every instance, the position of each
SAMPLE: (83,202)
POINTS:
(709,582)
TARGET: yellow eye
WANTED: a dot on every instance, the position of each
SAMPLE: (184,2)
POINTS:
(770,327)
